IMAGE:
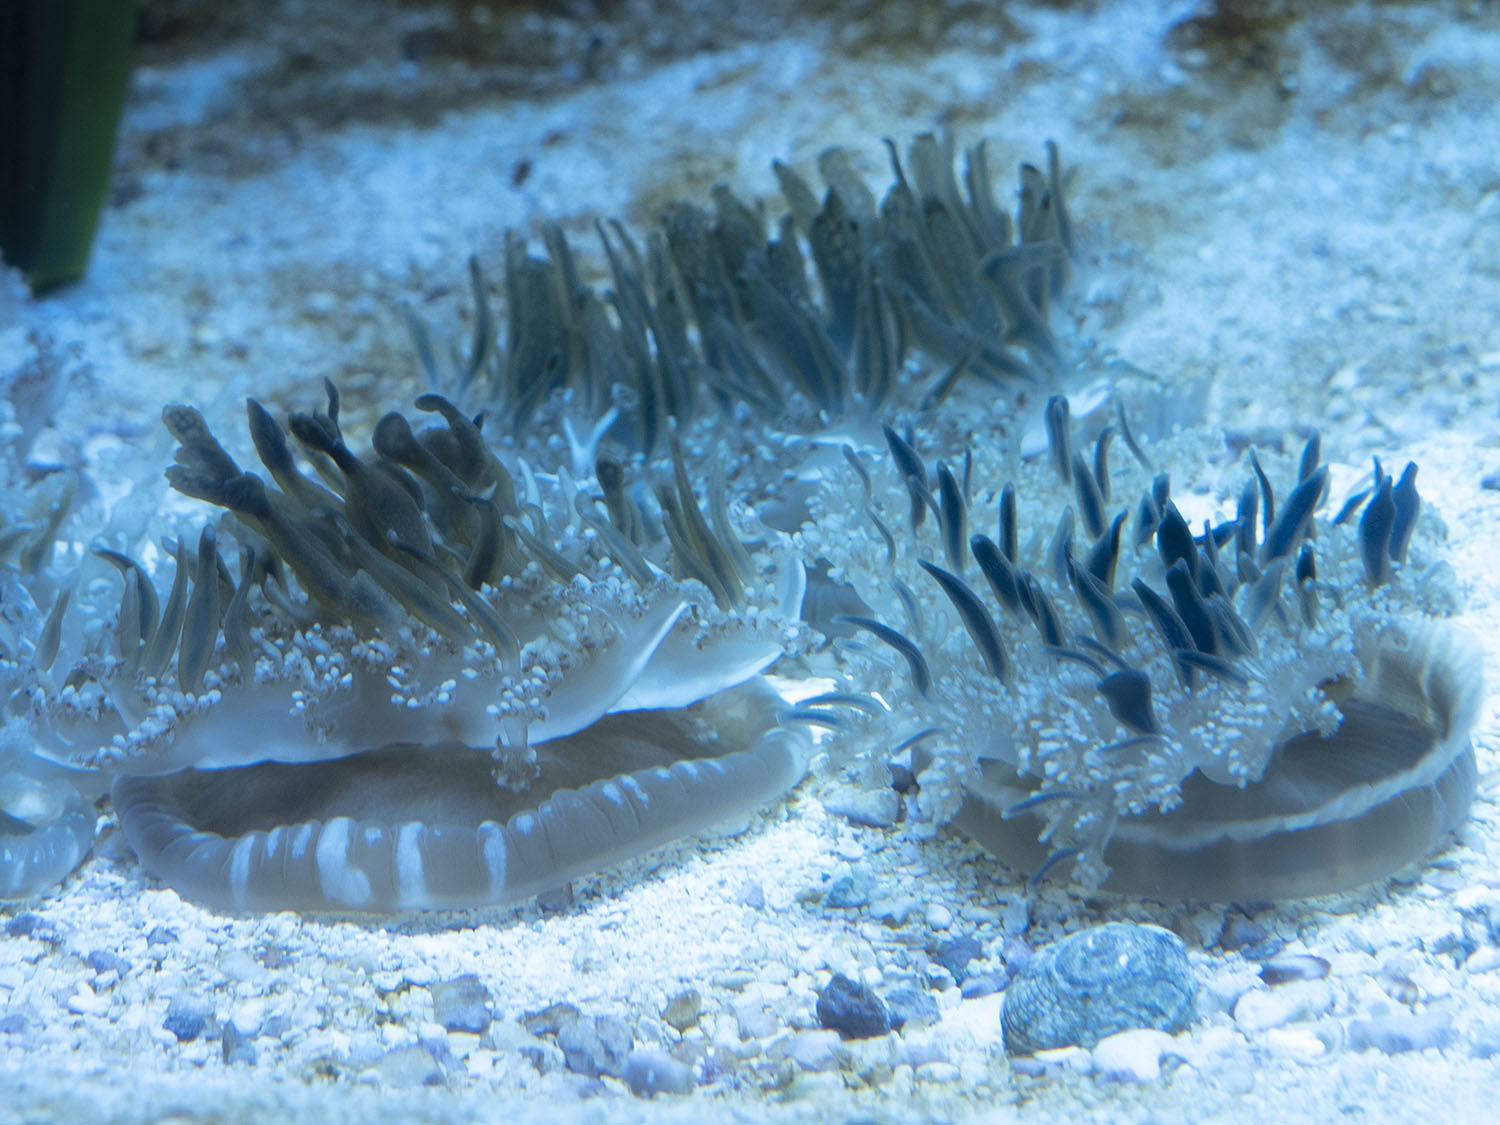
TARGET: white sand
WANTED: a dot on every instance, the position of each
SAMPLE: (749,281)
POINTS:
(1309,224)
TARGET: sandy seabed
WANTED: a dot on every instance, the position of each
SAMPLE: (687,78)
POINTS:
(1293,213)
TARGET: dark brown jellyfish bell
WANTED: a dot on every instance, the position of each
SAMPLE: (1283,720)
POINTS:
(1332,812)
(375,721)
(411,827)
(1272,707)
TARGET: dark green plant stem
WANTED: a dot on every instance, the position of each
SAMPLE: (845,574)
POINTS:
(64,67)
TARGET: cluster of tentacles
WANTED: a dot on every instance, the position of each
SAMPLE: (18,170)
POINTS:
(433,675)
(1263,709)
(716,315)
(428,685)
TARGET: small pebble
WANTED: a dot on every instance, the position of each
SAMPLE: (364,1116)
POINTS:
(1300,1044)
(1240,932)
(1483,960)
(754,1020)
(650,1071)
(1219,991)
(956,953)
(557,900)
(235,1047)
(1213,1045)
(867,808)
(1293,966)
(1260,1009)
(544,1057)
(1455,945)
(683,1010)
(24,925)
(894,911)
(551,1020)
(1132,1056)
(583,1051)
(617,1039)
(461,1004)
(434,1036)
(982,984)
(911,1008)
(937,978)
(238,965)
(1484,1040)
(187,1018)
(1015,916)
(848,848)
(848,892)
(407,1067)
(86,1002)
(107,961)
(1480,907)
(939,1071)
(1015,954)
(249,1015)
(1401,989)
(851,1009)
(1401,1032)
(418,973)
(919,1049)
(753,895)
(365,1051)
(395,1035)
(1250,939)
(814,1050)
(1074,1059)
(608,1041)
